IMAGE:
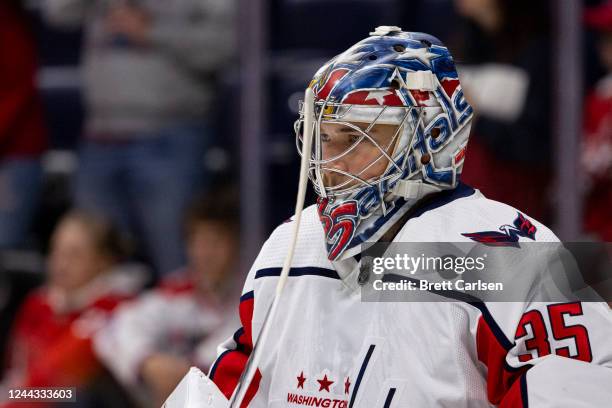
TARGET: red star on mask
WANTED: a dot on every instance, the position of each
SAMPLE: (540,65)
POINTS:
(324,384)
(301,379)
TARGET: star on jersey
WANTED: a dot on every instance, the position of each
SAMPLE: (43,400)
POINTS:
(324,384)
(422,54)
(301,379)
(347,385)
(378,95)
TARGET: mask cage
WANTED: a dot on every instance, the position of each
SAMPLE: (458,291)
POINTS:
(408,119)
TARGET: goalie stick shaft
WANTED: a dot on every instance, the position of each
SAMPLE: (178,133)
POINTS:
(253,362)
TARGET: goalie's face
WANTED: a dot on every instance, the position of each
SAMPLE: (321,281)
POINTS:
(356,147)
(355,153)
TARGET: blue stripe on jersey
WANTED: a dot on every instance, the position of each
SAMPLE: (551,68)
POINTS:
(524,397)
(366,360)
(447,196)
(247,296)
(237,335)
(312,271)
(389,398)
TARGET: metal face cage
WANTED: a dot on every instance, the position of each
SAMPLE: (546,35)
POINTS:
(359,122)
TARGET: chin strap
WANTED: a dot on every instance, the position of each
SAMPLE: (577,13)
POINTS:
(413,190)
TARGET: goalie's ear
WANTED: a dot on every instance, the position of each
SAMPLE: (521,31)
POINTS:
(196,390)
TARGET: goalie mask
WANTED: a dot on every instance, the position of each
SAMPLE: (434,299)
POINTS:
(391,126)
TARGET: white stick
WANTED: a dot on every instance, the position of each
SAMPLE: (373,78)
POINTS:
(251,366)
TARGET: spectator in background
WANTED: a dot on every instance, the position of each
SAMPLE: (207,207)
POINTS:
(22,128)
(51,338)
(149,69)
(505,74)
(151,342)
(597,143)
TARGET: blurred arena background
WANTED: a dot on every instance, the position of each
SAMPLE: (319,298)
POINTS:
(147,149)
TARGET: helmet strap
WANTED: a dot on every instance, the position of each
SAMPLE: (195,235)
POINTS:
(413,190)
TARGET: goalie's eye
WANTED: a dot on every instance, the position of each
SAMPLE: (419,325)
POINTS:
(325,137)
(354,138)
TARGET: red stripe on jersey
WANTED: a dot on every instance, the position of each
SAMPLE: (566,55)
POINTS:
(500,377)
(246,317)
(230,365)
(252,390)
(228,371)
(516,396)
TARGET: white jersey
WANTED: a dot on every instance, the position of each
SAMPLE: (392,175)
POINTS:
(327,348)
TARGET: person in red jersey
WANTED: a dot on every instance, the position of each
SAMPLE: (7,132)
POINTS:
(51,337)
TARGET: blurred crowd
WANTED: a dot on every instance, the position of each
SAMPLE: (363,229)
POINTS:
(119,203)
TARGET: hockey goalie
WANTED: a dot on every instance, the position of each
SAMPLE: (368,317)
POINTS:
(389,126)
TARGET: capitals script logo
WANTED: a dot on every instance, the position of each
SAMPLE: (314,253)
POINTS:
(339,223)
(509,235)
